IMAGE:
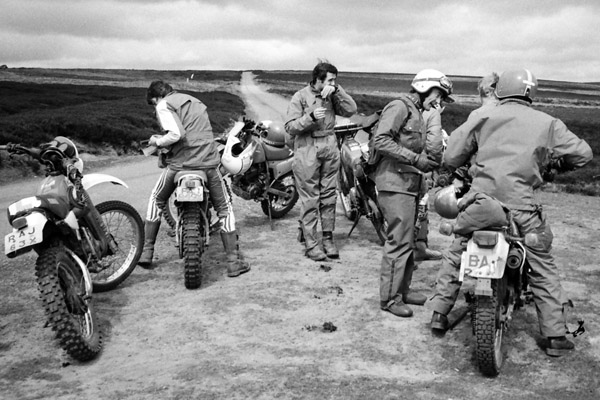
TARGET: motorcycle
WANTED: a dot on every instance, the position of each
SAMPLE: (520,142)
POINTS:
(356,183)
(188,214)
(79,251)
(496,257)
(262,170)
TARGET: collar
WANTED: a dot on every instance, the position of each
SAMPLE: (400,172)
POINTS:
(515,100)
(416,100)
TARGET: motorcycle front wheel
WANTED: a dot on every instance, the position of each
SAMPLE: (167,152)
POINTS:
(126,228)
(192,244)
(280,205)
(489,331)
(67,304)
(345,183)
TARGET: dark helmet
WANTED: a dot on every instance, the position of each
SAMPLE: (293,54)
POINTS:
(519,83)
(446,203)
(275,134)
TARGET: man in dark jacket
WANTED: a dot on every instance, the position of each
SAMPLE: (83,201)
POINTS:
(398,146)
(311,121)
(511,144)
(190,143)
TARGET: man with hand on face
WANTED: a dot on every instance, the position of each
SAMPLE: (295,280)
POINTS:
(311,121)
(397,150)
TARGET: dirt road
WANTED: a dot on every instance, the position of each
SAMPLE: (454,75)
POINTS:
(260,336)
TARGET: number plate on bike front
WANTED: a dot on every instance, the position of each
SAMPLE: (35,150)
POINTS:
(189,194)
(23,238)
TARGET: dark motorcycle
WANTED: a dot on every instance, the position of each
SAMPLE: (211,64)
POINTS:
(77,253)
(356,184)
(260,164)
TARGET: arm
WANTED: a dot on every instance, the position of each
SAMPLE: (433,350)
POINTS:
(170,123)
(298,118)
(392,119)
(434,146)
(462,144)
(575,151)
(343,104)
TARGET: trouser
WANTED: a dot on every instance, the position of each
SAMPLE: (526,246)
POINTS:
(315,166)
(218,190)
(397,263)
(544,281)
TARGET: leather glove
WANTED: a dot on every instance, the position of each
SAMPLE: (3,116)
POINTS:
(424,163)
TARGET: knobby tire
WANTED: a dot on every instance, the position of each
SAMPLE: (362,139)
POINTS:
(191,237)
(280,206)
(489,332)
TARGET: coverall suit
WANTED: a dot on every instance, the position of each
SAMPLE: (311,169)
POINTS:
(316,157)
(513,143)
(400,135)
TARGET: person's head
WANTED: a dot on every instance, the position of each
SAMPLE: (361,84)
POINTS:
(156,91)
(323,74)
(518,84)
(487,88)
(433,87)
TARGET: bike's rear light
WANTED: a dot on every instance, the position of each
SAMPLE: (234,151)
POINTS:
(19,223)
(192,183)
(485,239)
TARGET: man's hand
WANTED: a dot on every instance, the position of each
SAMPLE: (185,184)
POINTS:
(328,90)
(425,164)
(318,113)
(153,139)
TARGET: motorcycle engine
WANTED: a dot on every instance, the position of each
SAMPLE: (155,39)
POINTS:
(251,184)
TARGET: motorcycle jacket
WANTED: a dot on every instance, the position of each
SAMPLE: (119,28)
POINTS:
(304,101)
(434,144)
(399,137)
(512,144)
(189,136)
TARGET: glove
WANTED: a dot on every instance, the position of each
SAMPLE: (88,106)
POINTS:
(425,164)
(153,139)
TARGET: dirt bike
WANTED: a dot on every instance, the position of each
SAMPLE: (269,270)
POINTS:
(356,183)
(269,178)
(77,253)
(188,213)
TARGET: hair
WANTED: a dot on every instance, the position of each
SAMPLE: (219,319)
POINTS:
(321,69)
(487,84)
(158,89)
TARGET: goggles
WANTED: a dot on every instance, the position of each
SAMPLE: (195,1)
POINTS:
(444,82)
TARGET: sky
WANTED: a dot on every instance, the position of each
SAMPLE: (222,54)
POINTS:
(555,39)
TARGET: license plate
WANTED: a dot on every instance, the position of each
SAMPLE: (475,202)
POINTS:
(189,194)
(480,262)
(23,238)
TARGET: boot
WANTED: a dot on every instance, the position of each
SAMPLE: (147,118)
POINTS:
(396,307)
(417,299)
(150,233)
(235,259)
(329,246)
(559,346)
(439,322)
(316,254)
(423,253)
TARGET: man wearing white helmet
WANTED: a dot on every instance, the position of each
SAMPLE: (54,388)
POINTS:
(511,144)
(397,148)
(310,121)
(190,143)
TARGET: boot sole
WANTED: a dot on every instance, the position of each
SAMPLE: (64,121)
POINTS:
(557,352)
(238,273)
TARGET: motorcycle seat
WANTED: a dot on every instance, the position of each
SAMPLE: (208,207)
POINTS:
(198,172)
(273,153)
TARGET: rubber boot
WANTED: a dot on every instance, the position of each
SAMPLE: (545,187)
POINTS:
(423,253)
(150,233)
(235,259)
(329,246)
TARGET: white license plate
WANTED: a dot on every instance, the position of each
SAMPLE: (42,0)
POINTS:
(189,194)
(23,238)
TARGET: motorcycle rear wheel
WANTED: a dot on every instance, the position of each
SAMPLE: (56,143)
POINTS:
(127,229)
(192,242)
(489,331)
(280,206)
(68,307)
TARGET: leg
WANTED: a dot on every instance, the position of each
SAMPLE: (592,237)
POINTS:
(328,188)
(160,194)
(221,199)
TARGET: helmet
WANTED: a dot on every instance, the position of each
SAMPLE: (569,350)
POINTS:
(519,83)
(68,148)
(237,156)
(445,203)
(427,79)
(275,133)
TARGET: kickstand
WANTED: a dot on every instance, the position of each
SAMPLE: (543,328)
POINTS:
(354,225)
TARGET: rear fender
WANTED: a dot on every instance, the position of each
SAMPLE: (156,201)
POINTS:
(191,186)
(92,180)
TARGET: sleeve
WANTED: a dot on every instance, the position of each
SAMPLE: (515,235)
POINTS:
(343,104)
(462,144)
(298,119)
(575,151)
(391,121)
(434,145)
(170,123)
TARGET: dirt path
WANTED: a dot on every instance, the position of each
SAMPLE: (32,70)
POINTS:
(260,336)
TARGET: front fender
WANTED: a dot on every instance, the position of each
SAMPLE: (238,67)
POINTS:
(92,180)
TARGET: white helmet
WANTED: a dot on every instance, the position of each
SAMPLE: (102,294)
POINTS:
(427,79)
(237,157)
